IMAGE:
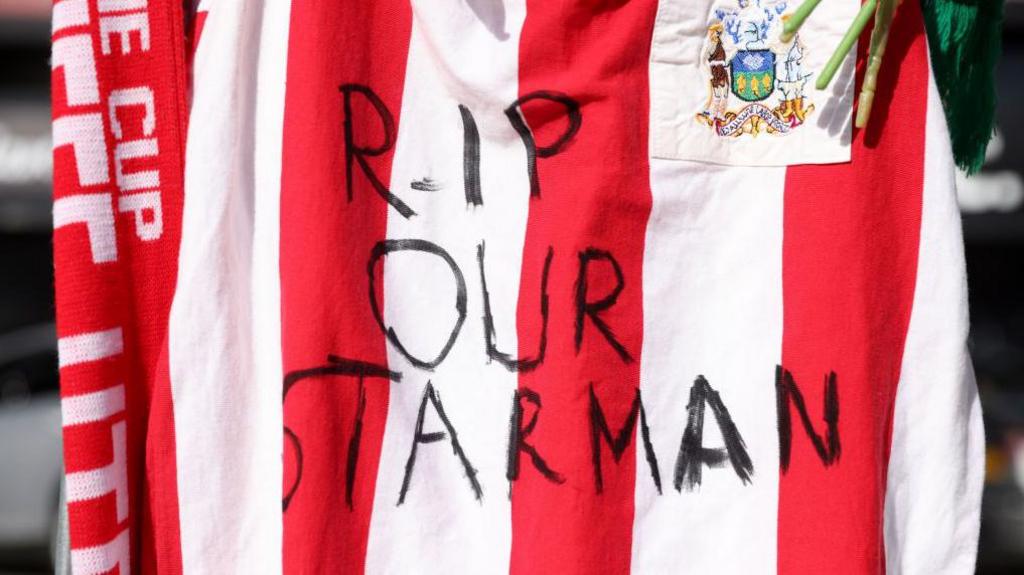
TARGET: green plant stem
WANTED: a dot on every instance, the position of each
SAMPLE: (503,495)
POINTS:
(795,21)
(867,10)
(879,40)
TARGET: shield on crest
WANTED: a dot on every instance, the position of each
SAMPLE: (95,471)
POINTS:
(753,74)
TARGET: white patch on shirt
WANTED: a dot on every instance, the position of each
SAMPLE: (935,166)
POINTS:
(726,90)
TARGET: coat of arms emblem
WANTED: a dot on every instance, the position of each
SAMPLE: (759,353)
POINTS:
(756,81)
(753,74)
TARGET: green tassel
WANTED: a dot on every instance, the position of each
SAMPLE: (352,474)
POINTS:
(965,37)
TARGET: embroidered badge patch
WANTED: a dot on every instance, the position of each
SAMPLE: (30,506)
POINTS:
(755,81)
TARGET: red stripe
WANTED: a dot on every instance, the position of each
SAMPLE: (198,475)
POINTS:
(161,548)
(161,532)
(325,244)
(594,194)
(849,267)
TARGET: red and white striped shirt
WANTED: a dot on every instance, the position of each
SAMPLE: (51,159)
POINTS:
(505,286)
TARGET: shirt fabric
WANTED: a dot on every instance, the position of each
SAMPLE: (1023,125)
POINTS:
(506,286)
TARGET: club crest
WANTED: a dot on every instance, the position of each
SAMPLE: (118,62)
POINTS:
(755,81)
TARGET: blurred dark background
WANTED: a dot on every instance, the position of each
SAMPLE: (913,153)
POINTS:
(992,204)
(29,409)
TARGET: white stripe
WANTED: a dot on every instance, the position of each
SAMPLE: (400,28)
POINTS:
(712,307)
(936,463)
(113,478)
(90,407)
(223,341)
(130,150)
(121,5)
(84,133)
(103,558)
(266,277)
(69,13)
(75,55)
(465,55)
(126,97)
(97,213)
(92,346)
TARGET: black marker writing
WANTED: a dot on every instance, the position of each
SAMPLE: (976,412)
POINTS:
(525,364)
(386,247)
(599,431)
(357,153)
(353,446)
(427,184)
(593,309)
(343,367)
(693,456)
(533,151)
(470,158)
(787,392)
(517,434)
(294,439)
(429,395)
